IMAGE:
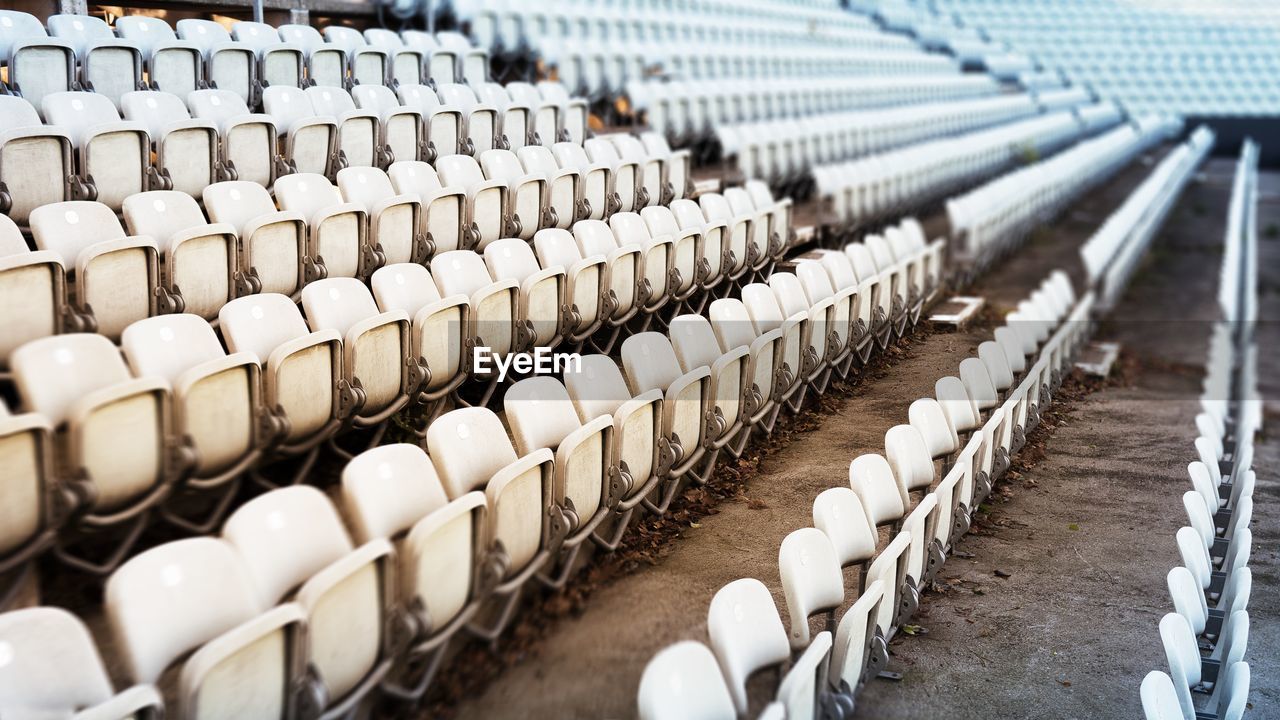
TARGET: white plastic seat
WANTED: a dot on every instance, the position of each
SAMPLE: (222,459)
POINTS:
(683,682)
(1159,698)
(545,115)
(978,382)
(573,110)
(394,219)
(116,431)
(627,176)
(489,206)
(442,65)
(658,273)
(766,350)
(716,249)
(108,65)
(367,65)
(527,192)
(309,142)
(471,451)
(811,581)
(196,595)
(841,308)
(445,211)
(624,272)
(249,148)
(651,171)
(186,150)
(494,303)
(375,345)
(480,121)
(326,63)
(172,65)
(302,371)
(739,234)
(279,63)
(799,690)
(33,296)
(695,345)
(472,62)
(338,243)
(55,668)
(445,132)
(857,650)
(37,65)
(677,164)
(111,277)
(929,418)
(819,343)
(405,63)
(360,142)
(746,634)
(37,162)
(515,118)
(542,291)
(565,187)
(597,179)
(272,243)
(403,130)
(439,324)
(29,528)
(200,259)
(796,364)
(112,155)
(228,65)
(910,460)
(762,237)
(696,259)
(295,548)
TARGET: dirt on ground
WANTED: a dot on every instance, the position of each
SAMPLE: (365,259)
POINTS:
(1050,607)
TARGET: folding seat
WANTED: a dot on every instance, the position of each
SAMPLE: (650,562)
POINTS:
(326,63)
(406,64)
(197,595)
(544,115)
(798,364)
(573,110)
(693,254)
(738,233)
(659,275)
(683,682)
(114,279)
(1159,698)
(279,63)
(872,478)
(677,164)
(309,142)
(627,176)
(490,207)
(37,163)
(858,650)
(841,309)
(172,65)
(1011,344)
(366,65)
(376,349)
(444,220)
(516,120)
(302,371)
(690,424)
(249,149)
(31,523)
(228,65)
(746,634)
(586,487)
(894,280)
(598,190)
(295,550)
(878,288)
(1230,684)
(112,155)
(402,130)
(114,433)
(360,141)
(199,259)
(762,239)
(802,692)
(767,378)
(441,64)
(696,345)
(565,187)
(186,150)
(480,130)
(445,126)
(272,243)
(108,65)
(54,668)
(992,356)
(393,493)
(338,244)
(528,192)
(494,303)
(811,582)
(650,172)
(471,450)
(778,211)
(36,64)
(395,223)
(820,343)
(542,306)
(472,62)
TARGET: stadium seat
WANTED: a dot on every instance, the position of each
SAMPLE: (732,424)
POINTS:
(858,650)
(565,187)
(108,65)
(746,634)
(495,306)
(403,130)
(112,155)
(326,63)
(445,223)
(249,148)
(649,363)
(360,142)
(279,63)
(272,243)
(446,125)
(338,242)
(627,176)
(471,451)
(695,344)
(30,525)
(541,309)
(598,189)
(196,595)
(692,256)
(228,65)
(54,667)
(528,193)
(394,219)
(489,213)
(406,64)
(799,692)
(367,65)
(798,366)
(309,142)
(37,162)
(546,115)
(811,582)
(37,65)
(573,110)
(683,682)
(199,259)
(186,150)
(113,279)
(515,119)
(480,120)
(172,65)
(764,379)
(660,275)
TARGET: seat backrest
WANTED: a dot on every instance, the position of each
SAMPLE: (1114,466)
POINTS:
(286,105)
(162,214)
(53,372)
(746,634)
(176,597)
(1159,698)
(304,35)
(839,513)
(715,206)
(16,112)
(555,247)
(403,286)
(468,446)
(460,170)
(256,35)
(601,151)
(683,680)
(660,221)
(331,101)
(762,305)
(51,662)
(146,31)
(307,193)
(739,200)
(871,477)
(694,341)
(510,258)
(414,177)
(540,413)
(365,186)
(814,280)
(732,324)
(156,110)
(501,165)
(927,417)
(382,37)
(379,98)
(688,214)
(68,228)
(811,579)
(839,270)
(236,202)
(419,97)
(961,411)
(787,288)
(594,237)
(650,362)
(537,159)
(629,228)
(346,38)
(570,155)
(204,33)
(1183,656)
(218,106)
(460,272)
(1233,699)
(78,112)
(79,30)
(337,304)
(261,323)
(284,537)
(907,455)
(976,379)
(458,95)
(596,386)
(168,345)
(880,251)
(992,356)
